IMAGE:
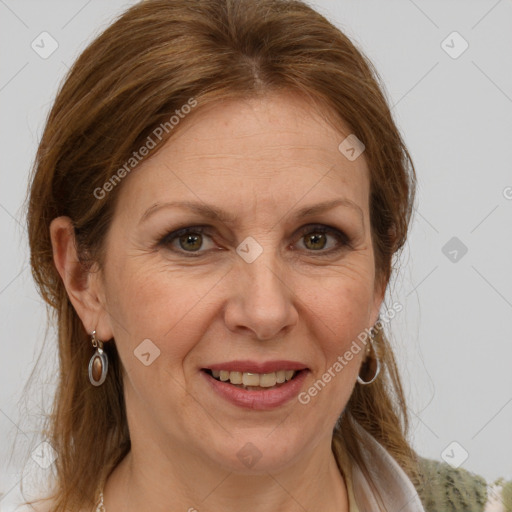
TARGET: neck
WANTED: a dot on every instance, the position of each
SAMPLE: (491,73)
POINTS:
(149,479)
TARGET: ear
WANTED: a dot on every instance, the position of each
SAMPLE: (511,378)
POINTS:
(84,288)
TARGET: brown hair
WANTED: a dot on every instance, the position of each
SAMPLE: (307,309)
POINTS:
(129,80)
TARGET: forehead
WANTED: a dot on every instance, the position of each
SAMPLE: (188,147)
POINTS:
(248,154)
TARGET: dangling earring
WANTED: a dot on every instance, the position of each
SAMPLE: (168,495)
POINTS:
(98,365)
(370,369)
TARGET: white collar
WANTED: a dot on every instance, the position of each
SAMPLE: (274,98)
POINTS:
(394,490)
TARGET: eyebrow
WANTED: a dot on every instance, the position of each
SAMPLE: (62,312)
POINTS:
(215,213)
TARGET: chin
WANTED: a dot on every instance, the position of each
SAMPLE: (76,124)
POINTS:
(260,452)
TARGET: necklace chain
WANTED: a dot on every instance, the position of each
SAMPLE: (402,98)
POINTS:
(100,507)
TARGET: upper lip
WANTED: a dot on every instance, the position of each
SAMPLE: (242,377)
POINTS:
(257,367)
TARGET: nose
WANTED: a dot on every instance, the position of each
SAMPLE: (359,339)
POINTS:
(262,300)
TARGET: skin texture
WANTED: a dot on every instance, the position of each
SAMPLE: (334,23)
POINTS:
(261,160)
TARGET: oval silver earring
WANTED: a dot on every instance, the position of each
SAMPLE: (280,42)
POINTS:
(370,369)
(98,364)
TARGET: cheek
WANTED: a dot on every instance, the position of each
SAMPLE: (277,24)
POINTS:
(172,307)
(147,302)
(339,307)
(149,298)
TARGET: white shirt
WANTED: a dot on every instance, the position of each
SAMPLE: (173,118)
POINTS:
(394,490)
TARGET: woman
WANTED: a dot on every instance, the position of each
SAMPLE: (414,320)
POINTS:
(217,198)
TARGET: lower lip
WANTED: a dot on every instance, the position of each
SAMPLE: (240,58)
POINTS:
(258,400)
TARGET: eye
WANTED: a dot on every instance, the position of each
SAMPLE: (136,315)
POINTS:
(190,240)
(316,238)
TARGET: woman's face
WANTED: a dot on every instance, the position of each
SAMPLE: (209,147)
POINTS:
(263,290)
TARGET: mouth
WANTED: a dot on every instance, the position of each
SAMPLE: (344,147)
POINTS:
(254,381)
(256,385)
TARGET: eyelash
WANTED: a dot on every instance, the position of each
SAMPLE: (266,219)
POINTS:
(343,239)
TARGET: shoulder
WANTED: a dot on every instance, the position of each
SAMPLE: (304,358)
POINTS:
(444,486)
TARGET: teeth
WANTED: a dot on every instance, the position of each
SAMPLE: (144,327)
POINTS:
(267,380)
(264,380)
(236,377)
(250,379)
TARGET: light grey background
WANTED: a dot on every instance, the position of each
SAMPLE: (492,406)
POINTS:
(453,338)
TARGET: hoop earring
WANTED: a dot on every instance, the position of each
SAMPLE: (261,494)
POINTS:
(370,369)
(98,364)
